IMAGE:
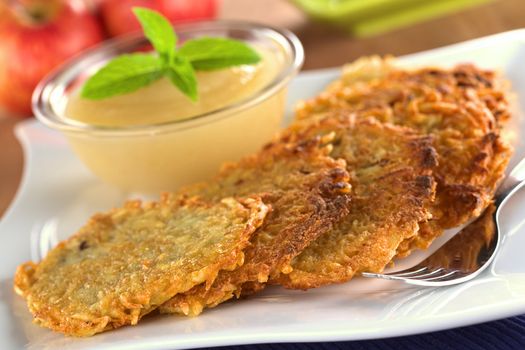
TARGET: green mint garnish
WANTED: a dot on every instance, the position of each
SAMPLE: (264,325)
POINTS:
(123,74)
(217,53)
(128,73)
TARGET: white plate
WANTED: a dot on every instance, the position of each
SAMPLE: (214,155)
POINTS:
(57,195)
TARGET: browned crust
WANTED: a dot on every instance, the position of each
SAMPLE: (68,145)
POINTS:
(462,108)
(392,186)
(121,266)
(308,193)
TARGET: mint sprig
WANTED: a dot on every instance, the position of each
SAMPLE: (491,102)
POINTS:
(130,72)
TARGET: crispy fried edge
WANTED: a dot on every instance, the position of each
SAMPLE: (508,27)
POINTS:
(331,203)
(472,200)
(458,197)
(425,160)
(53,319)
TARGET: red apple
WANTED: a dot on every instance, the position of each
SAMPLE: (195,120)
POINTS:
(119,19)
(36,36)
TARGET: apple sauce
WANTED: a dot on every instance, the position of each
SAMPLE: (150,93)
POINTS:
(162,102)
(160,160)
(156,139)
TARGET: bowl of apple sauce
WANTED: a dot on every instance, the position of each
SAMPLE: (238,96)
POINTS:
(156,139)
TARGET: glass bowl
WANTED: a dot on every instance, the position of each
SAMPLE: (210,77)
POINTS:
(164,156)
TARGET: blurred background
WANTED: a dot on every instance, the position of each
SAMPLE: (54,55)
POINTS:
(37,35)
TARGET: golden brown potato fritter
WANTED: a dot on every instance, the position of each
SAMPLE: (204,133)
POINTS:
(461,108)
(390,171)
(307,192)
(125,263)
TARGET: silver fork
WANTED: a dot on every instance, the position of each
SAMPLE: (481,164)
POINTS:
(448,265)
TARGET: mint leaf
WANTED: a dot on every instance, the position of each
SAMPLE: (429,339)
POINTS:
(122,75)
(159,32)
(181,74)
(128,73)
(214,53)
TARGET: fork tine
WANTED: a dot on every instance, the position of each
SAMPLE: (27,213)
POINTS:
(441,277)
(381,276)
(408,272)
(403,273)
(445,275)
(437,275)
(427,280)
(421,275)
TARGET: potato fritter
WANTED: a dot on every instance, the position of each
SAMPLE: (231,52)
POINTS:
(390,169)
(125,263)
(462,108)
(307,192)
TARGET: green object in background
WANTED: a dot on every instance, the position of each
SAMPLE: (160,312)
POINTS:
(370,17)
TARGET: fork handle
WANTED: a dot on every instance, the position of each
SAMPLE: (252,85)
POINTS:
(514,180)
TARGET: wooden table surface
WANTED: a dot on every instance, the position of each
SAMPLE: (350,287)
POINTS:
(324,47)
